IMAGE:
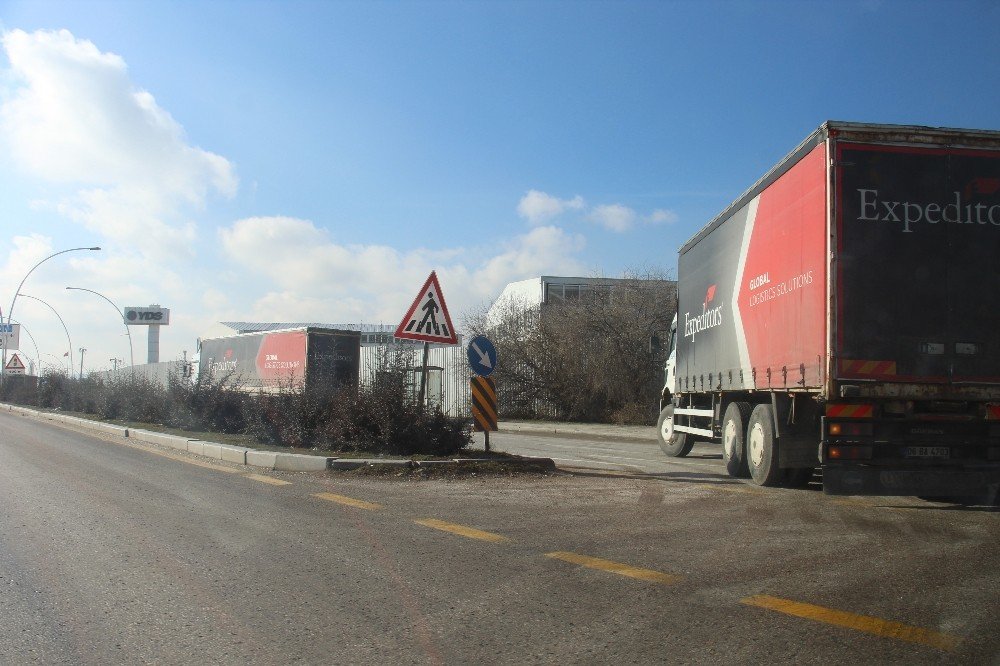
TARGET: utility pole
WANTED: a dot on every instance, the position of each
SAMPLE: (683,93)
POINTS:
(115,361)
(82,350)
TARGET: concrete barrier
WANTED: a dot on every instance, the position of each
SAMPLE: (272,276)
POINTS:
(236,454)
(196,446)
(297,462)
(211,450)
(90,426)
(261,458)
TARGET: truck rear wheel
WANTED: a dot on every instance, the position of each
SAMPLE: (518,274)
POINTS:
(734,431)
(674,444)
(762,452)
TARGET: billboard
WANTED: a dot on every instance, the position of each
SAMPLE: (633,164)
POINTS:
(10,336)
(152,315)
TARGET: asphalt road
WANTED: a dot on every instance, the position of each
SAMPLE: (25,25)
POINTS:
(111,553)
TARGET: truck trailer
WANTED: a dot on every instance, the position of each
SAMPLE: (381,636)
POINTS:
(297,358)
(844,313)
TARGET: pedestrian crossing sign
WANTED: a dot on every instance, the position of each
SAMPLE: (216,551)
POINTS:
(428,320)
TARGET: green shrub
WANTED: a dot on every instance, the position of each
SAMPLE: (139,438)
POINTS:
(379,419)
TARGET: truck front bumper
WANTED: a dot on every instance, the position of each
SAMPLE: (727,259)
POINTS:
(876,480)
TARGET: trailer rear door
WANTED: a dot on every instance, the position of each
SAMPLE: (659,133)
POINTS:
(918,264)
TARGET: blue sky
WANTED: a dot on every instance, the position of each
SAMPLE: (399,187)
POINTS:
(315,160)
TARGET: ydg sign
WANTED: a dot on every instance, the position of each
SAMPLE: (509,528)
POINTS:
(151,316)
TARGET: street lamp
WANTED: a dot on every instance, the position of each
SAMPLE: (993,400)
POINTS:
(35,298)
(83,350)
(120,314)
(10,312)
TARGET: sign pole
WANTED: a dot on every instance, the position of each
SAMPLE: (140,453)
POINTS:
(423,376)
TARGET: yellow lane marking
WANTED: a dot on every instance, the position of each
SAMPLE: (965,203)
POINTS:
(348,501)
(615,567)
(267,479)
(461,530)
(865,623)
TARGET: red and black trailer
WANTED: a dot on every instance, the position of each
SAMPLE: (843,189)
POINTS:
(304,358)
(844,312)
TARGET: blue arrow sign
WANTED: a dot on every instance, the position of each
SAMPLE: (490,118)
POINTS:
(482,356)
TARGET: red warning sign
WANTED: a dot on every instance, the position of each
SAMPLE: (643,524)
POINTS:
(427,319)
(14,366)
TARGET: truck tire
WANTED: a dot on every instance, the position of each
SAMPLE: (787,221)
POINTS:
(762,450)
(674,444)
(734,433)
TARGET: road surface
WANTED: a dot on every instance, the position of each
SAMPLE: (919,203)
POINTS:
(112,553)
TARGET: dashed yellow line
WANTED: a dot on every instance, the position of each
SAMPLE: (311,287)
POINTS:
(267,479)
(615,567)
(348,501)
(865,623)
(461,530)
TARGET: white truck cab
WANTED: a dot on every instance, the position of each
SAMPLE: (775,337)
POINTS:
(672,442)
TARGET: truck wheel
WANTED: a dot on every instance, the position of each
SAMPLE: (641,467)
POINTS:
(734,431)
(762,453)
(674,444)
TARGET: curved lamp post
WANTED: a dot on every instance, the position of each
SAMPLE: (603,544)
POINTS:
(35,298)
(10,311)
(120,314)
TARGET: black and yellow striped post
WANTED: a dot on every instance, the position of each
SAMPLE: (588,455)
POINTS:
(484,406)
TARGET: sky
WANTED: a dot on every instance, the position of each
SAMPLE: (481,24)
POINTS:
(315,161)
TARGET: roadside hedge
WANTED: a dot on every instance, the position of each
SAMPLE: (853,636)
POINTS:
(378,419)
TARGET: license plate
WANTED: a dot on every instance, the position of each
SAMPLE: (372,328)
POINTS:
(927,452)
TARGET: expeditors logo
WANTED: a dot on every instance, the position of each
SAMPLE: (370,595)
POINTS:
(709,318)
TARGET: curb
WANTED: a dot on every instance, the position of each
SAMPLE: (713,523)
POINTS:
(595,432)
(273,460)
(348,464)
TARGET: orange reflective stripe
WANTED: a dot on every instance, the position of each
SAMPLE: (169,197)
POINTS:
(850,411)
(867,368)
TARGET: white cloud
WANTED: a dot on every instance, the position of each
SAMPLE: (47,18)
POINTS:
(661,216)
(614,217)
(76,119)
(307,276)
(539,207)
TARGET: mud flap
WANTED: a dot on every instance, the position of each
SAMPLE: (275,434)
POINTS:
(797,425)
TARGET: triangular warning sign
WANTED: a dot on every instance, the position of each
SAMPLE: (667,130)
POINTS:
(427,319)
(15,363)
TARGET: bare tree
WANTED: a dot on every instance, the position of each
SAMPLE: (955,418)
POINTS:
(590,358)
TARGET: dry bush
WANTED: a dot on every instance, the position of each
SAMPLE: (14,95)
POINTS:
(591,359)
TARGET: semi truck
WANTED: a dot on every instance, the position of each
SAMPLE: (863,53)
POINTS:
(844,314)
(296,358)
